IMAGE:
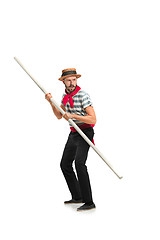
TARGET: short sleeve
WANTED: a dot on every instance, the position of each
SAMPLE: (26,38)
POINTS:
(86,101)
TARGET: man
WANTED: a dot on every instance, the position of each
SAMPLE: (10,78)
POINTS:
(78,107)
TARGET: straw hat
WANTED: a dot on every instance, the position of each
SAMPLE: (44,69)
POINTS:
(69,72)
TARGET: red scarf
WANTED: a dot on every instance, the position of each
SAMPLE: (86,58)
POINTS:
(69,96)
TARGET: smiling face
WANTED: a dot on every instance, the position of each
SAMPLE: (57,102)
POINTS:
(70,84)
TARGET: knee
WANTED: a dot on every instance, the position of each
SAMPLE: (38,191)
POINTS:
(62,165)
(65,166)
(80,167)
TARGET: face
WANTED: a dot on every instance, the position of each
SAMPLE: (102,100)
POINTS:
(70,83)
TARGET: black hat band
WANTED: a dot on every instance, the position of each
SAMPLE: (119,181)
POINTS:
(68,73)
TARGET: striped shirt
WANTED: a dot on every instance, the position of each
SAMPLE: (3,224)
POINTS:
(81,101)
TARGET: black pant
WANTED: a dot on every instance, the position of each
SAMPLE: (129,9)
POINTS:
(76,149)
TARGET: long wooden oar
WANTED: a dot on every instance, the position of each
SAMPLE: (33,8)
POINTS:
(70,120)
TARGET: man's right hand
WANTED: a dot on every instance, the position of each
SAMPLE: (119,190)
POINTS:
(48,96)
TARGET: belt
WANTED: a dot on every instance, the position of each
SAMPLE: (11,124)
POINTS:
(82,127)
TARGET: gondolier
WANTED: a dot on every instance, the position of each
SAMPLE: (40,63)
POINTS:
(78,106)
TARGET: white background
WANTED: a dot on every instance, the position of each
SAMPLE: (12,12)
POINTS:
(115,46)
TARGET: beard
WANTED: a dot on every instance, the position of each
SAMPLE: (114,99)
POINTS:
(71,88)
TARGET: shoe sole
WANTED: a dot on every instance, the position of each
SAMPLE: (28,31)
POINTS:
(71,203)
(74,203)
(79,210)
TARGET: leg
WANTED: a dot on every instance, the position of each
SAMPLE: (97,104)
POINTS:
(67,169)
(81,168)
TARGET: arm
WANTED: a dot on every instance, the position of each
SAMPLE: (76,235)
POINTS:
(57,113)
(89,119)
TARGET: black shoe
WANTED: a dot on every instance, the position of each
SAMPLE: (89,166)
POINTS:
(73,201)
(86,207)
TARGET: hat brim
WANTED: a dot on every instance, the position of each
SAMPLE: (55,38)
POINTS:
(73,75)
